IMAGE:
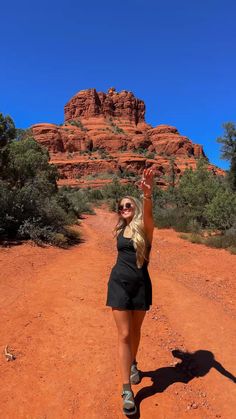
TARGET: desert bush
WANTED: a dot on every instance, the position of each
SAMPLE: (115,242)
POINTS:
(69,236)
(112,205)
(74,202)
(172,218)
(141,150)
(94,194)
(31,209)
(126,174)
(78,124)
(103,153)
(151,155)
(117,130)
(196,238)
(116,190)
(196,188)
(30,205)
(196,192)
(114,127)
(222,241)
(112,190)
(221,211)
(25,160)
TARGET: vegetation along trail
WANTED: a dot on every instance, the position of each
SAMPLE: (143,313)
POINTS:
(54,320)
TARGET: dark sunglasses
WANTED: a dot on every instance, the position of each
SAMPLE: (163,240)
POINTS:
(128,205)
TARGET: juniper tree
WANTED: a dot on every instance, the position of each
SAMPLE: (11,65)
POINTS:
(228,151)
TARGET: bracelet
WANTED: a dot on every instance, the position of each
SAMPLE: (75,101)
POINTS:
(147,196)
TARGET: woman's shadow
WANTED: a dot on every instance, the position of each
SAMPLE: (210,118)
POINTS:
(196,364)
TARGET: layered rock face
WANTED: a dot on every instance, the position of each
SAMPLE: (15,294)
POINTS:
(106,134)
(90,103)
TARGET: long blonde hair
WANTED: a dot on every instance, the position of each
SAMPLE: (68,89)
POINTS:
(137,231)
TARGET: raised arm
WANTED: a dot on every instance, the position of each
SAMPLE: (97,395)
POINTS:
(147,185)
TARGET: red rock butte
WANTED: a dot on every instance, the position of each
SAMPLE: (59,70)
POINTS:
(106,134)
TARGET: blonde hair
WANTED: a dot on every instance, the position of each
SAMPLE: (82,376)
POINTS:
(137,231)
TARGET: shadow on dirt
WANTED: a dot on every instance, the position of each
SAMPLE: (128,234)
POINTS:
(11,242)
(196,364)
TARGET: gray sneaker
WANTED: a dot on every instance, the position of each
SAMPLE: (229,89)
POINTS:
(129,407)
(134,374)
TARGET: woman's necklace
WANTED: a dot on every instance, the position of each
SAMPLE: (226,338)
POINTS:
(128,231)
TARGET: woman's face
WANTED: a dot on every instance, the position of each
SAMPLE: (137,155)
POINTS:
(126,209)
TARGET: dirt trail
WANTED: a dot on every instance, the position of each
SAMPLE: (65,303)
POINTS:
(54,319)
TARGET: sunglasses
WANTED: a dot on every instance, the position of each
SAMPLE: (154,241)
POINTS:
(128,205)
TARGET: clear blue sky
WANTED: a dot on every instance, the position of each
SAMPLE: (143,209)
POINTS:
(179,56)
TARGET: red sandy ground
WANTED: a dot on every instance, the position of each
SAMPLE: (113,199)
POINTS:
(54,319)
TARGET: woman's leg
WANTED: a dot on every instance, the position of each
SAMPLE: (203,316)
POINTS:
(137,318)
(123,323)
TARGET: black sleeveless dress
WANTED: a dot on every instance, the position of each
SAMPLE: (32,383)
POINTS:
(129,287)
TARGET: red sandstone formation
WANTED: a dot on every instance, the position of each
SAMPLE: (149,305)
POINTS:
(90,103)
(106,133)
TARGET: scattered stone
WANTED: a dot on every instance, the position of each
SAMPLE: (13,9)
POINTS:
(9,356)
(192,406)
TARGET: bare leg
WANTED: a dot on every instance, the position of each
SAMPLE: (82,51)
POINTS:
(123,323)
(136,323)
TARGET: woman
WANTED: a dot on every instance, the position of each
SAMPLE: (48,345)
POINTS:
(129,286)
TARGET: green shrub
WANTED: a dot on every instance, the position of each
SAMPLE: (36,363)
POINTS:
(32,229)
(222,241)
(141,150)
(112,205)
(114,127)
(151,155)
(193,225)
(25,160)
(226,240)
(67,238)
(30,205)
(196,191)
(196,238)
(127,174)
(94,195)
(74,202)
(221,211)
(78,124)
(172,217)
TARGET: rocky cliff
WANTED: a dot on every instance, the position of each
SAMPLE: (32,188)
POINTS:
(90,103)
(105,134)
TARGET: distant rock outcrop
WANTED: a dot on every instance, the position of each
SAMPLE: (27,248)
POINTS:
(90,103)
(106,133)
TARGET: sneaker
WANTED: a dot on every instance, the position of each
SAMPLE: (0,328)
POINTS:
(129,407)
(134,374)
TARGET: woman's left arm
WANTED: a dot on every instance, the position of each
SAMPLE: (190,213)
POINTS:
(147,186)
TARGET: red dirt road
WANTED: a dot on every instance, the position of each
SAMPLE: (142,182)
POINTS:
(54,319)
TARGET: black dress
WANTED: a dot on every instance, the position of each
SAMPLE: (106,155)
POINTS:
(129,287)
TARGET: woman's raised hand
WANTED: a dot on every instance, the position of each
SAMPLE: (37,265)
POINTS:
(146,183)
